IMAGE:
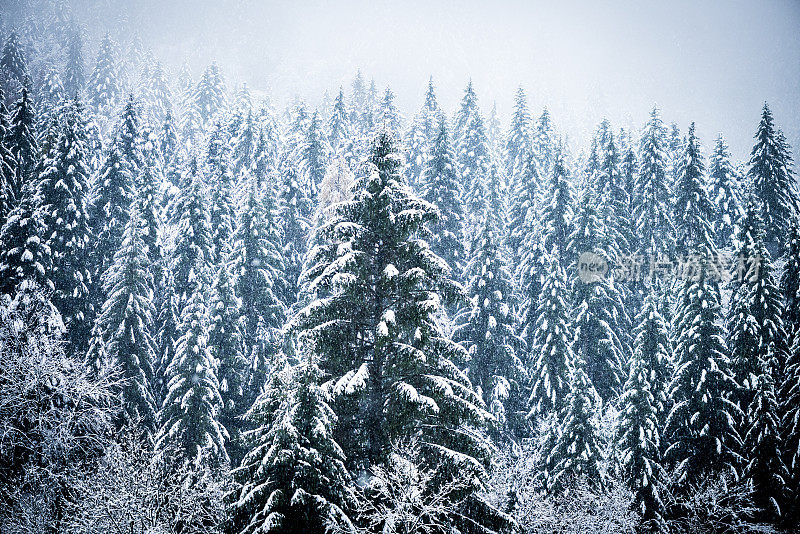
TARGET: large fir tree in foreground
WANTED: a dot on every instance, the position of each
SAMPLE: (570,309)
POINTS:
(392,368)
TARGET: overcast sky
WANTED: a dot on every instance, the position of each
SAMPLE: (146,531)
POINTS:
(714,62)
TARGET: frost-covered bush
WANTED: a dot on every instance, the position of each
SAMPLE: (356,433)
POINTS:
(55,415)
(405,497)
(138,491)
(516,487)
(719,505)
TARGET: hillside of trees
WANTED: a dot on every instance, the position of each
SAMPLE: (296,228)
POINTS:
(220,315)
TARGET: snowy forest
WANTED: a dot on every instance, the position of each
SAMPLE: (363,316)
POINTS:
(223,313)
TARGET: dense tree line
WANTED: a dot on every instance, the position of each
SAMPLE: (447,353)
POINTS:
(336,318)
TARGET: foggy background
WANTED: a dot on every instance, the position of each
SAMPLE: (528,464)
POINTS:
(712,62)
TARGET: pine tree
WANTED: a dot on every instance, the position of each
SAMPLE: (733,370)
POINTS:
(339,128)
(126,323)
(765,466)
(190,120)
(464,116)
(129,138)
(652,203)
(543,142)
(293,478)
(369,115)
(523,203)
(335,188)
(168,144)
(74,75)
(599,316)
(244,145)
(495,135)
(209,94)
(266,153)
(549,337)
(50,90)
(192,251)
(487,329)
(577,450)
(103,87)
(675,147)
(638,437)
(159,94)
(755,322)
(591,170)
(389,117)
(790,285)
(474,162)
(220,180)
(519,142)
(189,417)
(166,333)
(25,257)
(614,198)
(379,287)
(629,167)
(653,347)
(109,210)
(295,211)
(693,209)
(724,194)
(225,346)
(443,189)
(359,103)
(699,430)
(789,410)
(23,149)
(557,215)
(314,155)
(6,164)
(62,193)
(421,134)
(256,265)
(771,174)
(149,201)
(789,374)
(12,62)
(298,119)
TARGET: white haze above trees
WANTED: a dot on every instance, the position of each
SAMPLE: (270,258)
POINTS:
(223,314)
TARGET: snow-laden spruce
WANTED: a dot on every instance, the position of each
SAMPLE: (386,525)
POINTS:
(550,341)
(126,323)
(724,193)
(651,210)
(599,319)
(293,477)
(442,188)
(379,288)
(641,412)
(487,329)
(62,197)
(189,421)
(773,183)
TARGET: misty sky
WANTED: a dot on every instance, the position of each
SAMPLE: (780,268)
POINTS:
(712,62)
